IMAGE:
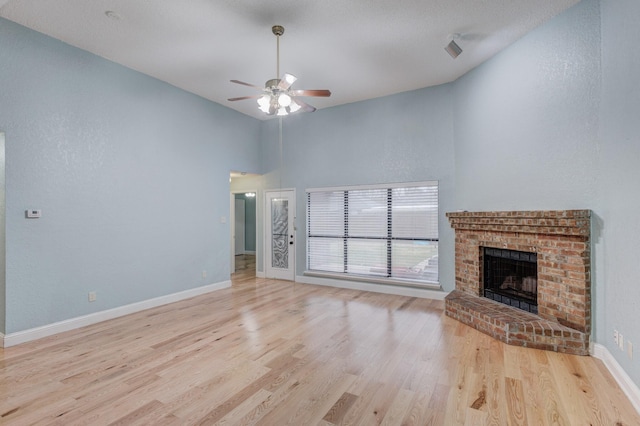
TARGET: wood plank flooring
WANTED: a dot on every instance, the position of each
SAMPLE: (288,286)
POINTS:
(279,353)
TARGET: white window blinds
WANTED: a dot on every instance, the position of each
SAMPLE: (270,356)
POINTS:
(379,231)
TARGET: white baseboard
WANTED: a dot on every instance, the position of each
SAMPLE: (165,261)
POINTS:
(24,336)
(376,288)
(628,386)
(260,274)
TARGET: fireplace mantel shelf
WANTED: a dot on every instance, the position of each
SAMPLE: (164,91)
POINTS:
(552,222)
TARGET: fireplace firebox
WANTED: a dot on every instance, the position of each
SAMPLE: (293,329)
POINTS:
(511,277)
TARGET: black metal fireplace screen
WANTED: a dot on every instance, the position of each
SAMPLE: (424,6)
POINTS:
(511,277)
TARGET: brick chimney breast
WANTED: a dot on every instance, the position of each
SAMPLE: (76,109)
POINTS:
(561,240)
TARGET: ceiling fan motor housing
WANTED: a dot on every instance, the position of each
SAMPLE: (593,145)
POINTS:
(272,84)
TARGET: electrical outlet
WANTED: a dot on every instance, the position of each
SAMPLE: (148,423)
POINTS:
(629,349)
(92,296)
(204,274)
(615,336)
(621,341)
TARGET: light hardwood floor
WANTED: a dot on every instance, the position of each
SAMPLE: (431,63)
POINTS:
(275,353)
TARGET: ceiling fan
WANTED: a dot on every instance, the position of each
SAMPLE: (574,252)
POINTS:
(277,96)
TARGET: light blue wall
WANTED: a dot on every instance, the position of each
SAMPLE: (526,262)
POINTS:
(131,174)
(402,138)
(619,290)
(526,121)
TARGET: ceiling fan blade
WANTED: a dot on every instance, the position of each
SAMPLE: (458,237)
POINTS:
(243,98)
(311,92)
(304,106)
(286,81)
(246,84)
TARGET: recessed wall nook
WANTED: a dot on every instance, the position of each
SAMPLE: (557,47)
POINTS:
(524,277)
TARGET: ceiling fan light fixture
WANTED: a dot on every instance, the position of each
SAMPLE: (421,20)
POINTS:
(282,111)
(294,107)
(284,100)
(264,103)
(264,108)
(286,81)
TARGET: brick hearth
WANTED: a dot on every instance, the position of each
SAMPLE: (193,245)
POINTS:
(562,241)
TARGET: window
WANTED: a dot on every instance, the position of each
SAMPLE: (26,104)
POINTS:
(387,233)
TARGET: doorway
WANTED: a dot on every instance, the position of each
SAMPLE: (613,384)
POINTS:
(243,232)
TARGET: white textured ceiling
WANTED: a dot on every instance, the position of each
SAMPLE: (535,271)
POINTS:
(358,49)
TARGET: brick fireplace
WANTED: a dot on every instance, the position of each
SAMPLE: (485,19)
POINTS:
(561,242)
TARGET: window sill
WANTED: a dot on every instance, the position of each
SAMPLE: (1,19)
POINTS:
(373,280)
